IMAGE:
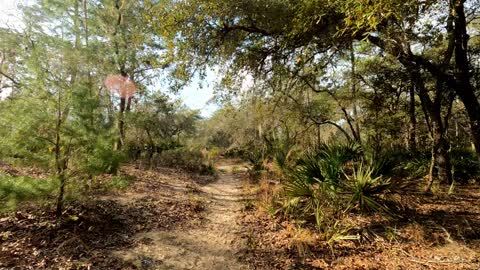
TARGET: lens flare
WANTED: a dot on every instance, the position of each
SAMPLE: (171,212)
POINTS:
(121,85)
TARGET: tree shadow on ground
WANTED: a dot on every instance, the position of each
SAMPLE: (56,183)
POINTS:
(87,233)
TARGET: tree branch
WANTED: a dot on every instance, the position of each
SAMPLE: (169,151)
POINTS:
(10,78)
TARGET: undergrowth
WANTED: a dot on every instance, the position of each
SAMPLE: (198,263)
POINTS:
(326,186)
(15,190)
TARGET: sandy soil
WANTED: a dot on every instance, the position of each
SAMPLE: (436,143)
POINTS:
(212,243)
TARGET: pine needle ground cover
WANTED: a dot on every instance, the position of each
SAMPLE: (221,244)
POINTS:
(93,228)
(440,232)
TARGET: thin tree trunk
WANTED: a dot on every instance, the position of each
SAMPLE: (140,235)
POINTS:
(121,124)
(430,172)
(442,157)
(354,92)
(85,21)
(319,137)
(412,138)
(59,166)
(61,178)
(76,23)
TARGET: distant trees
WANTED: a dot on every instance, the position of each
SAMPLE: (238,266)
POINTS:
(431,45)
(159,124)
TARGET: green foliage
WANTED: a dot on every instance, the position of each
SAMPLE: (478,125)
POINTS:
(326,163)
(59,115)
(398,161)
(465,165)
(184,158)
(282,155)
(119,182)
(335,181)
(401,161)
(416,167)
(367,191)
(342,152)
(310,167)
(256,158)
(158,124)
(299,186)
(16,190)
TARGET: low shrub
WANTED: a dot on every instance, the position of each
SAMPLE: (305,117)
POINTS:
(416,168)
(119,182)
(465,165)
(368,193)
(15,190)
(186,159)
(336,180)
(256,158)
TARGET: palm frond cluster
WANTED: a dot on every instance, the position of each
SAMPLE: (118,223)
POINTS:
(337,179)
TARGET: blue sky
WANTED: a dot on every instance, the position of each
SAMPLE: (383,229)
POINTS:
(198,93)
(193,95)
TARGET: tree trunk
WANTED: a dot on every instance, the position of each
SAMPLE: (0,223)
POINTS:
(441,147)
(431,172)
(464,88)
(459,81)
(319,137)
(61,178)
(121,125)
(440,157)
(412,138)
(59,161)
(354,93)
(437,126)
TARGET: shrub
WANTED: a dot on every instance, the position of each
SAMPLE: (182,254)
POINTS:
(234,153)
(119,182)
(342,152)
(281,157)
(417,168)
(311,169)
(327,162)
(183,158)
(397,160)
(18,189)
(465,165)
(255,157)
(368,192)
(103,159)
(326,185)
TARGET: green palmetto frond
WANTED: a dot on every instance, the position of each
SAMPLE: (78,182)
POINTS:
(367,192)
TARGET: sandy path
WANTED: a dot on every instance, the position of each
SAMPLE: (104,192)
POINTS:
(212,244)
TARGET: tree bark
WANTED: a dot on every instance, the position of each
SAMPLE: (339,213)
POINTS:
(464,88)
(61,178)
(440,153)
(412,129)
(437,126)
(354,93)
(121,124)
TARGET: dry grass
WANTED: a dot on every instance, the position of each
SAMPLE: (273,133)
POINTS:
(301,239)
(440,232)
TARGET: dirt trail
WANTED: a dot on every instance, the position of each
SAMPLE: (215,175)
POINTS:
(210,244)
